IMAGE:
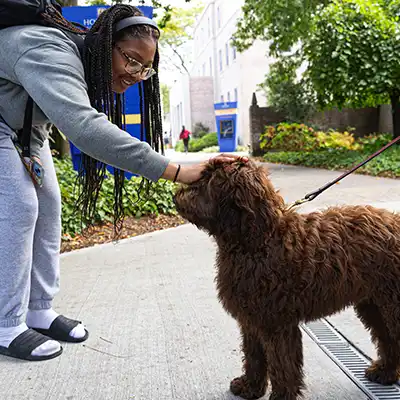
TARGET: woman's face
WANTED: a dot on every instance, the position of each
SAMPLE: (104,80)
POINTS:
(131,62)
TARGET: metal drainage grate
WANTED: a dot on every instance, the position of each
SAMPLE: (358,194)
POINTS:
(348,359)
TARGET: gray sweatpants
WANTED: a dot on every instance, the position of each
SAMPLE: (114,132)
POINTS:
(30,227)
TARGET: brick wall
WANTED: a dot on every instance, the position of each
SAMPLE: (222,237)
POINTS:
(364,120)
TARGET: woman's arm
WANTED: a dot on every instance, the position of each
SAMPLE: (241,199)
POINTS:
(53,75)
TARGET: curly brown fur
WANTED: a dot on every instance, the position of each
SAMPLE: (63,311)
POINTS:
(277,269)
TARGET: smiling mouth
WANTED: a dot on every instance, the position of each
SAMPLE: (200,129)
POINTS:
(128,82)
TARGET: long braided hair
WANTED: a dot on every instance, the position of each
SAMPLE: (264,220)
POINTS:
(97,61)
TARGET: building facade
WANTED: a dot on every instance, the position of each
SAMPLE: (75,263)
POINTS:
(191,102)
(233,76)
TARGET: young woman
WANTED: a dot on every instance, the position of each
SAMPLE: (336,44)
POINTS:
(80,93)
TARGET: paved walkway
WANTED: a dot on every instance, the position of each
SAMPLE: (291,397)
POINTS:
(157,329)
(295,182)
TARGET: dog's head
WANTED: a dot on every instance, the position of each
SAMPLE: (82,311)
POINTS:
(230,198)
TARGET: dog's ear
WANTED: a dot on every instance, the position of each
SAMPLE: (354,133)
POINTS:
(242,199)
(248,190)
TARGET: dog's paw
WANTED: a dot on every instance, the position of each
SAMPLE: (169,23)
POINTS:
(378,374)
(244,388)
(282,396)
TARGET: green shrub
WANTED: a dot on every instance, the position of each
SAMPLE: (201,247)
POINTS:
(330,158)
(289,137)
(196,145)
(179,146)
(386,164)
(300,137)
(212,149)
(158,200)
(337,140)
(373,143)
(200,130)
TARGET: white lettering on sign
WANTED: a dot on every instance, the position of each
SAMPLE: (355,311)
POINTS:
(89,22)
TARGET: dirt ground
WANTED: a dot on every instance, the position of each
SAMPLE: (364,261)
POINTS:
(132,227)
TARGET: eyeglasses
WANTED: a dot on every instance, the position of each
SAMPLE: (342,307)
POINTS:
(135,68)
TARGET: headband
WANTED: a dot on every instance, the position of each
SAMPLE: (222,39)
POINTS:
(130,21)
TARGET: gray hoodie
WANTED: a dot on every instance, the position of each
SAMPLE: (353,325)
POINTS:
(45,63)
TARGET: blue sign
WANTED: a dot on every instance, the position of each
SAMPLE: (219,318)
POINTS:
(226,119)
(86,16)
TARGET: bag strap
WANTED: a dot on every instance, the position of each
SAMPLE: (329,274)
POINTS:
(26,130)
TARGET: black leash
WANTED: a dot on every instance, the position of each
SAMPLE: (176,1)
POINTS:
(312,195)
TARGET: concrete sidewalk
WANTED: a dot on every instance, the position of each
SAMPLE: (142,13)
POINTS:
(157,331)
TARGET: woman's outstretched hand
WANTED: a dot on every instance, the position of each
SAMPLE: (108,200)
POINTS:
(191,173)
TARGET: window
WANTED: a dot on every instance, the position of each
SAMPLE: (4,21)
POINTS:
(234,52)
(204,69)
(222,98)
(229,96)
(209,27)
(226,128)
(220,60)
(236,94)
(210,61)
(218,18)
(227,53)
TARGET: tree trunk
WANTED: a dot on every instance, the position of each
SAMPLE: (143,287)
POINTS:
(385,119)
(394,99)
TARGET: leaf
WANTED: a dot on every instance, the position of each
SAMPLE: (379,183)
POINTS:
(160,198)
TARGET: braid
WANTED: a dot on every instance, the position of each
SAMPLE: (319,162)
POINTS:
(54,18)
(97,61)
(152,92)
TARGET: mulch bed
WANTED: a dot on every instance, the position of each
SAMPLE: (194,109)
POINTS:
(104,233)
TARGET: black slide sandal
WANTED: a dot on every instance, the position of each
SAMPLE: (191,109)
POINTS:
(23,345)
(60,329)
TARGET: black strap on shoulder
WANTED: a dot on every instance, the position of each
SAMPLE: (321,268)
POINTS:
(26,130)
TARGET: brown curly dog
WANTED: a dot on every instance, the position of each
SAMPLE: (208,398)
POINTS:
(277,269)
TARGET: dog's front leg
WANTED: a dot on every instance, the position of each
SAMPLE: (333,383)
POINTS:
(284,352)
(253,384)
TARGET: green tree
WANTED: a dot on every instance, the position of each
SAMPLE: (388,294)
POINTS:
(282,23)
(353,55)
(287,92)
(177,32)
(165,97)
